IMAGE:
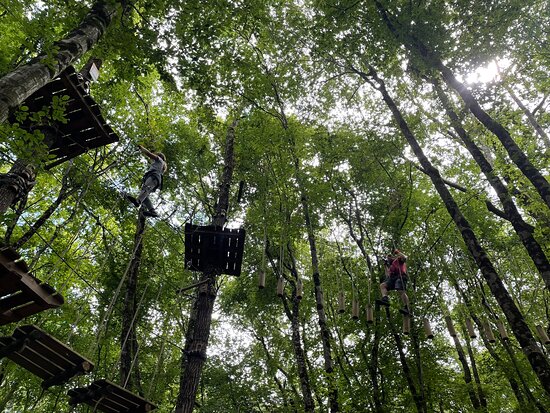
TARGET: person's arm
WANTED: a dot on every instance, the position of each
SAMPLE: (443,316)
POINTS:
(150,155)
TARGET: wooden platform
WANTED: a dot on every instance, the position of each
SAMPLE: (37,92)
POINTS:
(86,128)
(43,355)
(208,247)
(21,294)
(108,397)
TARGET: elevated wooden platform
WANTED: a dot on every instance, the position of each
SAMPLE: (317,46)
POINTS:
(208,247)
(85,128)
(21,294)
(108,397)
(43,355)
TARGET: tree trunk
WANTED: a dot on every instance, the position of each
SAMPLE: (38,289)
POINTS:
(200,320)
(128,339)
(322,319)
(16,184)
(465,367)
(404,364)
(415,341)
(523,230)
(521,330)
(498,361)
(480,392)
(19,84)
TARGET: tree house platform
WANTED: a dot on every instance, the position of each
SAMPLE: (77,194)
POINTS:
(108,397)
(43,355)
(85,128)
(212,248)
(21,294)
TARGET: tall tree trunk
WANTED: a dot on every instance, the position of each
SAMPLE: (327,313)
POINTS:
(404,364)
(19,84)
(523,230)
(128,339)
(200,320)
(464,363)
(359,240)
(16,184)
(515,318)
(517,156)
(498,361)
(322,318)
(415,341)
(480,392)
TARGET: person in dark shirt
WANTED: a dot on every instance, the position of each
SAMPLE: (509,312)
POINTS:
(151,181)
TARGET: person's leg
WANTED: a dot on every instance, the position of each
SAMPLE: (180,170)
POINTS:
(404,297)
(386,286)
(384,289)
(148,186)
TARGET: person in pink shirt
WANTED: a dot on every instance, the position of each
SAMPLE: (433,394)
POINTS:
(396,279)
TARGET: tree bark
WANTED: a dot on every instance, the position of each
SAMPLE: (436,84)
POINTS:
(322,318)
(465,368)
(16,184)
(514,385)
(19,84)
(480,392)
(522,229)
(128,339)
(404,364)
(523,334)
(200,320)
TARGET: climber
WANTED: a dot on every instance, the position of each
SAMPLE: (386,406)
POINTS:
(151,181)
(396,279)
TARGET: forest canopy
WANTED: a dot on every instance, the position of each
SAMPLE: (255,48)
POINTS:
(344,142)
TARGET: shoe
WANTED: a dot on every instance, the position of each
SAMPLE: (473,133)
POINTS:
(133,200)
(151,213)
(384,301)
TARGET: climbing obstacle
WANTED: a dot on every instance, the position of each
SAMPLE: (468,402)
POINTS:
(43,355)
(106,396)
(85,128)
(211,248)
(21,294)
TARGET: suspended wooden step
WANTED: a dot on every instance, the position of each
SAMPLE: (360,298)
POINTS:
(280,286)
(105,396)
(21,294)
(470,328)
(261,279)
(355,309)
(341,302)
(427,329)
(85,128)
(406,325)
(542,334)
(43,355)
(370,315)
(213,248)
(488,331)
(502,330)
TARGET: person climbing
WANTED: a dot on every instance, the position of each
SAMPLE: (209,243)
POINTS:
(396,279)
(151,181)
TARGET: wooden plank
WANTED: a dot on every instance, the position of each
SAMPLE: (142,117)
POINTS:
(109,397)
(45,356)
